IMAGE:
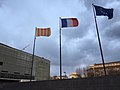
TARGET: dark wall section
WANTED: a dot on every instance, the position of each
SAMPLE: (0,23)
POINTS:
(97,83)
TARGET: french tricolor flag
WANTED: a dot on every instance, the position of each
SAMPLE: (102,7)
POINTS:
(69,22)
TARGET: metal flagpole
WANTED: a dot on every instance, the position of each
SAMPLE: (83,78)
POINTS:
(33,56)
(99,41)
(60,49)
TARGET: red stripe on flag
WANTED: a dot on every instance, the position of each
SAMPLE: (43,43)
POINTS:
(75,21)
(38,31)
(44,32)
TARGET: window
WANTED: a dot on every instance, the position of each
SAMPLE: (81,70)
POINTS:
(4,71)
(1,63)
(27,74)
(16,73)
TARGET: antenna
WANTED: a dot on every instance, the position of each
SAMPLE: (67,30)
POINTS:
(26,47)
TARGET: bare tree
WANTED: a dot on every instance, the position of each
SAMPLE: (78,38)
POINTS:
(79,72)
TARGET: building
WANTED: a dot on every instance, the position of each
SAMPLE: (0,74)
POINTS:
(16,64)
(58,77)
(112,68)
(74,75)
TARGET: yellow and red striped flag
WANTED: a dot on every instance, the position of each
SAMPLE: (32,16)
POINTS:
(43,32)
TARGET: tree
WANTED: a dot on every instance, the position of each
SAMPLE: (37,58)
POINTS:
(79,72)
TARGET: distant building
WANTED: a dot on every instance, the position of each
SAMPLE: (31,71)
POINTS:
(58,77)
(16,64)
(112,68)
(74,75)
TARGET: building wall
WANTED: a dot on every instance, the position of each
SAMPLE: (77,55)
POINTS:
(42,69)
(15,63)
(96,83)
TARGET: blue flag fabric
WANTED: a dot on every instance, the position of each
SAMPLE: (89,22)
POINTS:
(103,11)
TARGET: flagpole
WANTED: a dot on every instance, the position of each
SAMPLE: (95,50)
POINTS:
(60,49)
(33,56)
(99,41)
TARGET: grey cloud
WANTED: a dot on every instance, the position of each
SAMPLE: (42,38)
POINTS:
(49,49)
(2,2)
(113,33)
(82,29)
(111,50)
(110,28)
(88,3)
(87,52)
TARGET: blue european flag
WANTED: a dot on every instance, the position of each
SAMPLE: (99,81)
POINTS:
(103,11)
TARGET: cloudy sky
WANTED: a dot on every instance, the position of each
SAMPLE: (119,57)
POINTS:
(18,19)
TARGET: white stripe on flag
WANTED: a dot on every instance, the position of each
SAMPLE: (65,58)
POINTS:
(70,23)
